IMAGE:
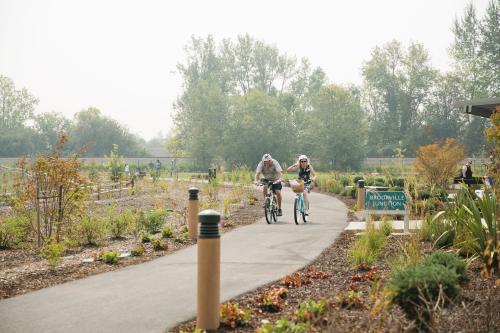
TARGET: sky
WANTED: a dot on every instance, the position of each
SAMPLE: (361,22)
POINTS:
(120,56)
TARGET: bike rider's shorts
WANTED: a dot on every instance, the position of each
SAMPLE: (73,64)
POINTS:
(308,184)
(276,187)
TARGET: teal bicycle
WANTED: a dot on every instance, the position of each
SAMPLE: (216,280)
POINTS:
(299,205)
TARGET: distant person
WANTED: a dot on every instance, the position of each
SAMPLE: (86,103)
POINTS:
(172,167)
(127,170)
(157,168)
(467,172)
(491,171)
(212,172)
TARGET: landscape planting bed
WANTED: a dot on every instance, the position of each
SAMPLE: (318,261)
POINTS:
(476,310)
(23,270)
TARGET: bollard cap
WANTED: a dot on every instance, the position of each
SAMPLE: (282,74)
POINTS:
(361,183)
(193,193)
(209,216)
(209,224)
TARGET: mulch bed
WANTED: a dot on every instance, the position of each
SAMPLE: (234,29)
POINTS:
(24,270)
(476,310)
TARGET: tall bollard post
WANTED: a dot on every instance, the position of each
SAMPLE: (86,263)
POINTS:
(208,302)
(193,207)
(361,194)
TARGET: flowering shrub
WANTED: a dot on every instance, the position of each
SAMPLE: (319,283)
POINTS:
(109,257)
(350,299)
(294,280)
(310,311)
(272,300)
(232,316)
(313,273)
(283,326)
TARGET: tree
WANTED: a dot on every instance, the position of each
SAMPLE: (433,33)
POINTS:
(257,124)
(489,48)
(175,145)
(17,141)
(204,63)
(98,132)
(465,53)
(468,68)
(16,106)
(208,112)
(253,64)
(115,163)
(442,118)
(337,129)
(48,127)
(201,120)
(437,163)
(397,83)
(57,190)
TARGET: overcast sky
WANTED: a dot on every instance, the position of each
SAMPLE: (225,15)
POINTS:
(121,56)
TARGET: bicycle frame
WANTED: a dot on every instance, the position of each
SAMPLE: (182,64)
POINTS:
(271,204)
(299,208)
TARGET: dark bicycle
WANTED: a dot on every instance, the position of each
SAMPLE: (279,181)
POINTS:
(271,202)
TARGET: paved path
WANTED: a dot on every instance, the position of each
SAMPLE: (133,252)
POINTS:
(159,294)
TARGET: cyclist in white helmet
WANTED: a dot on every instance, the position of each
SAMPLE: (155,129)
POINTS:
(306,173)
(271,171)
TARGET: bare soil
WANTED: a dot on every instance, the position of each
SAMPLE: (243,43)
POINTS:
(23,269)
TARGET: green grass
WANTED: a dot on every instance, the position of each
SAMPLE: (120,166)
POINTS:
(367,248)
(385,227)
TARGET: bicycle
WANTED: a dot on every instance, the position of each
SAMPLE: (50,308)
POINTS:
(299,204)
(271,202)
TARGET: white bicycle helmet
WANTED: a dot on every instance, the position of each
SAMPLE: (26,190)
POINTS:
(303,157)
(266,157)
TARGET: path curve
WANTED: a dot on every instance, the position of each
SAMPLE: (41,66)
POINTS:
(159,294)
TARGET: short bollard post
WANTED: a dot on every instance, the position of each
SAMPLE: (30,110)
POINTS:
(361,194)
(193,207)
(406,226)
(208,302)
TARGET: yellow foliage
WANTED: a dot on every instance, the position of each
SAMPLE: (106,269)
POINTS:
(493,136)
(54,186)
(437,164)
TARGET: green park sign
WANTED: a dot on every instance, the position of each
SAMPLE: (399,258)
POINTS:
(385,200)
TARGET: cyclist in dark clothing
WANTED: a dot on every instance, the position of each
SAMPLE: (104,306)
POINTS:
(467,172)
(306,173)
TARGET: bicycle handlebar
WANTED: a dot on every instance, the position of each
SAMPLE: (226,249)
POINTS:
(263,182)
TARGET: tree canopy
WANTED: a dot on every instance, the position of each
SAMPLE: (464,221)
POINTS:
(243,97)
(22,132)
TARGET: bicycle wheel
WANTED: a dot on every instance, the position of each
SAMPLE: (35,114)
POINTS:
(304,216)
(296,210)
(268,213)
(275,209)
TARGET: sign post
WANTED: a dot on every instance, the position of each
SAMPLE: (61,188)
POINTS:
(388,202)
